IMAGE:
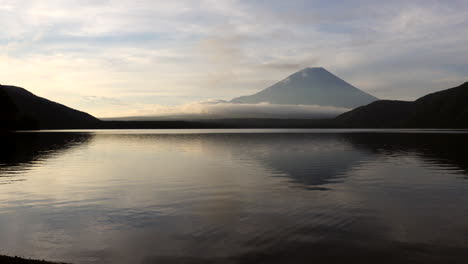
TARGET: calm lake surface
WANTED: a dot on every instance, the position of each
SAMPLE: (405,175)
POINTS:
(235,196)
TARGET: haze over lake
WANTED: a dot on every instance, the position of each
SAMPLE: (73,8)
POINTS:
(230,196)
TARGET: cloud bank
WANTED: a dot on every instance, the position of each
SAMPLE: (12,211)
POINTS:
(223,109)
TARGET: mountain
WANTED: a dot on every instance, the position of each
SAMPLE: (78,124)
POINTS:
(444,109)
(20,109)
(311,86)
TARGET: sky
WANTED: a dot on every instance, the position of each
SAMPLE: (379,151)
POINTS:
(141,57)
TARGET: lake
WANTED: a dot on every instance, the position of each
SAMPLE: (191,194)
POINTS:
(235,196)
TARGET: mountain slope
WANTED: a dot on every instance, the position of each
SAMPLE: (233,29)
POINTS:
(23,110)
(311,86)
(383,113)
(444,109)
(448,108)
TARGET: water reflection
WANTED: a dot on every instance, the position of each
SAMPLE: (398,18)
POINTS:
(236,198)
(441,150)
(309,159)
(20,151)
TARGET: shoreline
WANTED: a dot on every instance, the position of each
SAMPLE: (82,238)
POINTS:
(19,260)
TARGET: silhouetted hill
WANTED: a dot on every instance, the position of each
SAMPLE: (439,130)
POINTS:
(20,109)
(378,114)
(444,109)
(311,86)
(448,108)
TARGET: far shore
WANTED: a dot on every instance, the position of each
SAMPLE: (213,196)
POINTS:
(18,260)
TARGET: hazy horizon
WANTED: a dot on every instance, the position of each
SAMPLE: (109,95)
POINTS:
(125,58)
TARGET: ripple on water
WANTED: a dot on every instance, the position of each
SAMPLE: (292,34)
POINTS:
(253,197)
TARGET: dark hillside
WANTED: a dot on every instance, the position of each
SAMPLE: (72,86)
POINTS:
(444,109)
(21,109)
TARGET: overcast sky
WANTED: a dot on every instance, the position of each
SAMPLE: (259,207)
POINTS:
(119,57)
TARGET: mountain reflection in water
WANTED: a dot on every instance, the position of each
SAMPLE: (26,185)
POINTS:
(232,197)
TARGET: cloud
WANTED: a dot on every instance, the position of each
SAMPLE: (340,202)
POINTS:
(195,50)
(222,109)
